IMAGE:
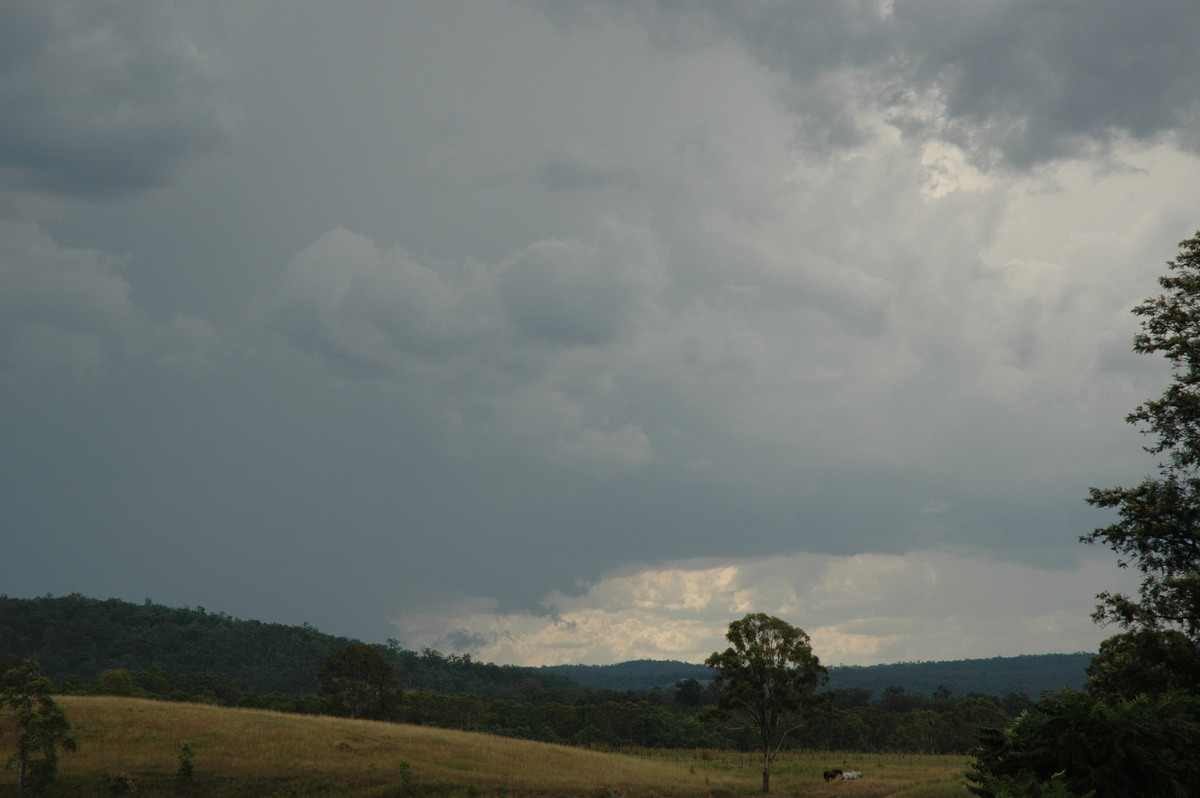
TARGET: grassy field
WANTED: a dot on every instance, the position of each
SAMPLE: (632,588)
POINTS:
(260,754)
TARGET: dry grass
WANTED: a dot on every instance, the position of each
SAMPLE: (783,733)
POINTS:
(798,773)
(261,753)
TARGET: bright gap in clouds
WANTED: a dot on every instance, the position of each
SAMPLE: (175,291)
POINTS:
(859,610)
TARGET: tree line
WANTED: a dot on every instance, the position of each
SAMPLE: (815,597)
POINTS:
(568,713)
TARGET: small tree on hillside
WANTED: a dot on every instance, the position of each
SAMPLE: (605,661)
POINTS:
(767,680)
(360,682)
(42,727)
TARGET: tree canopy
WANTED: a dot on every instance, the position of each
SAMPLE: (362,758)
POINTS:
(1124,748)
(41,725)
(1158,521)
(767,679)
(360,682)
(1145,661)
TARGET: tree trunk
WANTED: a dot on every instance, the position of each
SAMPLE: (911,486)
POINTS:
(21,777)
(767,768)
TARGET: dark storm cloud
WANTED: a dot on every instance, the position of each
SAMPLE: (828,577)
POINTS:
(1020,82)
(100,99)
(1037,81)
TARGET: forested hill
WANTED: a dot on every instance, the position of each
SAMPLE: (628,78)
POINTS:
(1032,675)
(997,676)
(78,637)
(638,675)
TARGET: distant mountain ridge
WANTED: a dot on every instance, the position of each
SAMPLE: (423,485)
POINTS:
(639,674)
(1031,674)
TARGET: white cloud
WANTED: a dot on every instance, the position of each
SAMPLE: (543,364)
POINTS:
(859,610)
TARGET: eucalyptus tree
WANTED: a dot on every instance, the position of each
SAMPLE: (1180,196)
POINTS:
(1158,521)
(360,682)
(41,725)
(767,681)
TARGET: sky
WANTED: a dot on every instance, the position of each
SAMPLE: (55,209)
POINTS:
(568,331)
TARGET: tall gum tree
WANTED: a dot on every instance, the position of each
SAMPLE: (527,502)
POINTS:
(767,680)
(1158,521)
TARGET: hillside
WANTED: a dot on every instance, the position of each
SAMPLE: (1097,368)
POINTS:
(239,752)
(127,744)
(75,637)
(997,676)
(642,674)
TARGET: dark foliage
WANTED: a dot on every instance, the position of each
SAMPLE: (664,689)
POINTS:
(359,682)
(1152,661)
(1158,521)
(641,674)
(1032,675)
(1145,746)
(74,636)
(40,726)
(188,652)
(459,673)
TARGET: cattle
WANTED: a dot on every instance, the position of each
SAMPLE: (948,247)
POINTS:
(851,775)
(830,775)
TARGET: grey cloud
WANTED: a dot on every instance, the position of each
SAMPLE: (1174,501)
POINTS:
(72,289)
(1036,82)
(461,333)
(69,310)
(572,292)
(101,98)
(343,297)
(1019,81)
(604,454)
(577,171)
(465,640)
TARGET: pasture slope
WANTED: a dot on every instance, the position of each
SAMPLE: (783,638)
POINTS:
(239,753)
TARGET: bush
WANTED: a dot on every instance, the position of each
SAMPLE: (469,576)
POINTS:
(1144,746)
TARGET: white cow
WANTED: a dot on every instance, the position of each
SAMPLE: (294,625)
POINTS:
(851,775)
